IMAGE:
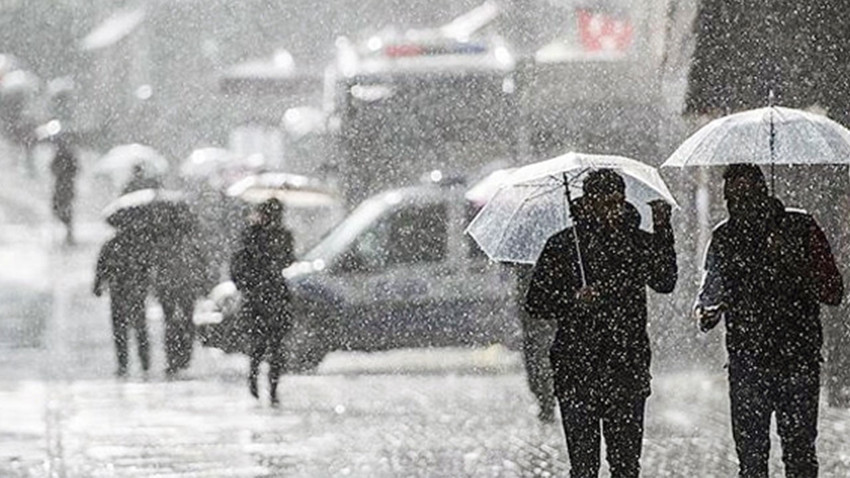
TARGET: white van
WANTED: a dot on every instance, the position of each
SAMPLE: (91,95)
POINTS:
(399,272)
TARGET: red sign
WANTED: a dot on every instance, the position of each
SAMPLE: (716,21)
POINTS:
(603,32)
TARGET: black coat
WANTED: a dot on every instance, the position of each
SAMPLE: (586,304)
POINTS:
(602,352)
(771,273)
(123,266)
(257,267)
(181,267)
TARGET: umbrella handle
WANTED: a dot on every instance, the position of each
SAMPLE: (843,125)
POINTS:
(770,100)
(569,211)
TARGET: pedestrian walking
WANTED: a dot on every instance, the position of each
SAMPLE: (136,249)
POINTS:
(767,269)
(64,168)
(257,270)
(181,275)
(123,269)
(591,278)
(537,336)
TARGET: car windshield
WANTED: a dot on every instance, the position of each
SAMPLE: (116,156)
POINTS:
(341,236)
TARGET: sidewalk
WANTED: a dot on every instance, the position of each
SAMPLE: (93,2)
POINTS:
(346,421)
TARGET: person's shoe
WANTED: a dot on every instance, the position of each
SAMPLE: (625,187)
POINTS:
(121,372)
(252,387)
(275,401)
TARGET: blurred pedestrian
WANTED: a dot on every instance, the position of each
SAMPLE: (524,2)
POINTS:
(64,168)
(766,270)
(123,269)
(537,336)
(601,354)
(181,274)
(256,268)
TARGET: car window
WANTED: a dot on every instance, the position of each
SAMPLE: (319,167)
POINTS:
(411,235)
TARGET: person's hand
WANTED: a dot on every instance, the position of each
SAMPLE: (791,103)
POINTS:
(708,316)
(97,290)
(661,211)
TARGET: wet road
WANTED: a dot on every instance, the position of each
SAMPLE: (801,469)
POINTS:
(446,412)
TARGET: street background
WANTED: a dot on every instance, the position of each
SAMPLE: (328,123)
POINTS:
(429,412)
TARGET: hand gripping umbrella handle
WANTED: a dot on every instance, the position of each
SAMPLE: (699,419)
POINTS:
(569,210)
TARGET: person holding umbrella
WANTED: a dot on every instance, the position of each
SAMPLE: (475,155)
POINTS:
(591,278)
(257,270)
(123,267)
(767,269)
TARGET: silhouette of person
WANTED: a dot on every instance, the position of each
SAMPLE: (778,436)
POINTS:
(123,268)
(181,274)
(767,268)
(257,270)
(64,168)
(601,353)
(537,338)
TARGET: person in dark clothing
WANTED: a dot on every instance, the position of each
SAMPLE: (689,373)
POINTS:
(257,270)
(537,338)
(601,352)
(766,270)
(123,268)
(181,275)
(64,168)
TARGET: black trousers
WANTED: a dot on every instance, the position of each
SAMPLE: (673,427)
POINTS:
(622,426)
(792,394)
(179,330)
(127,313)
(267,328)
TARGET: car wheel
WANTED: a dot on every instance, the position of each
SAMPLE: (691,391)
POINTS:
(307,343)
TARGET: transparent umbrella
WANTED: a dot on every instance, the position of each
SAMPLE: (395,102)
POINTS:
(120,160)
(534,202)
(769,136)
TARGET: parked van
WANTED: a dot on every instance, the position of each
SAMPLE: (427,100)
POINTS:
(399,272)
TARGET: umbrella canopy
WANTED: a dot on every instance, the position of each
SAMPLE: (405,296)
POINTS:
(119,161)
(204,162)
(771,135)
(532,205)
(150,209)
(483,190)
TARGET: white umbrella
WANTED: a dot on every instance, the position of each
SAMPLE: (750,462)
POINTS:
(204,162)
(771,135)
(532,204)
(119,161)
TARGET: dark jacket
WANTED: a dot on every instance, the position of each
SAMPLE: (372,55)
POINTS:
(257,266)
(181,267)
(64,168)
(771,272)
(602,351)
(123,267)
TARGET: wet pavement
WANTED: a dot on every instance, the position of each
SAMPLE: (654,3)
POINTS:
(442,412)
